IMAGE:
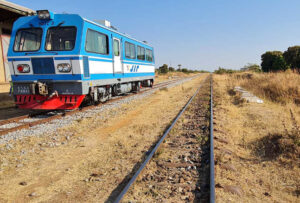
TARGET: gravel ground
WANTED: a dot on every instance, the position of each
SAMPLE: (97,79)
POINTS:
(51,127)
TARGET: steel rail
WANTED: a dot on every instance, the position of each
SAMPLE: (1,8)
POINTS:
(12,120)
(26,125)
(212,160)
(149,157)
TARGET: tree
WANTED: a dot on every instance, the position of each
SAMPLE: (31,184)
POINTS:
(292,57)
(179,68)
(273,61)
(184,70)
(251,67)
(223,71)
(171,69)
(163,69)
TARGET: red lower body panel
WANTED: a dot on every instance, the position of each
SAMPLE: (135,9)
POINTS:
(44,102)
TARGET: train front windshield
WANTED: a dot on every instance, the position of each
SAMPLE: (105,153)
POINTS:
(28,39)
(60,39)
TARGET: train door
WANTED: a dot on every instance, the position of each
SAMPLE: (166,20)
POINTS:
(117,56)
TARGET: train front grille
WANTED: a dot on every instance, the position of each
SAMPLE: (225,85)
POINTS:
(43,65)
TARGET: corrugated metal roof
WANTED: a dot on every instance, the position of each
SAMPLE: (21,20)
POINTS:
(15,8)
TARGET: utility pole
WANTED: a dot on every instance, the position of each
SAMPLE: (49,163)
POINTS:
(179,66)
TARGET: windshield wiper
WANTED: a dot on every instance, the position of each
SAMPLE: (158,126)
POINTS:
(60,24)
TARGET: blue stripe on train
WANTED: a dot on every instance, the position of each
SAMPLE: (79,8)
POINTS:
(102,76)
(55,58)
(46,77)
(68,58)
(18,59)
(80,58)
(120,75)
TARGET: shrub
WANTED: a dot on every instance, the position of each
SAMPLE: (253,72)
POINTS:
(224,71)
(282,87)
(163,69)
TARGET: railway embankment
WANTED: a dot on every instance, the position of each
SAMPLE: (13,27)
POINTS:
(257,149)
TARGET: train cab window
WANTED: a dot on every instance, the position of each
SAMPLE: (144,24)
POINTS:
(116,47)
(130,50)
(28,39)
(96,42)
(149,55)
(141,53)
(60,38)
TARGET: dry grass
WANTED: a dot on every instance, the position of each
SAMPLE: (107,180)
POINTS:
(277,87)
(170,76)
(257,148)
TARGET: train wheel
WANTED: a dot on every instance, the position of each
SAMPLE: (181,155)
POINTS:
(138,86)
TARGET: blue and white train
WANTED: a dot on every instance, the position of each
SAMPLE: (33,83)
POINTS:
(59,61)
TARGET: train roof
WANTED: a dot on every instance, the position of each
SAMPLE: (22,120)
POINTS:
(84,19)
(112,30)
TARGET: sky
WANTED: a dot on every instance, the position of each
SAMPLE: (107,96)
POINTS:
(199,34)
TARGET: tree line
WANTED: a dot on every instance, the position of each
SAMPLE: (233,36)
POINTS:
(273,61)
(165,69)
(249,67)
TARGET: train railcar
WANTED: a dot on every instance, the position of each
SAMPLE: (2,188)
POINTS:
(59,61)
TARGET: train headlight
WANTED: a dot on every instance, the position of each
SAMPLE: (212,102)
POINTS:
(23,68)
(60,68)
(64,67)
(44,14)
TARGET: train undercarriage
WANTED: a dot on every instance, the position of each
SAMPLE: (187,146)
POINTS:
(45,97)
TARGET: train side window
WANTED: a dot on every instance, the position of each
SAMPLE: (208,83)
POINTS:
(130,50)
(141,53)
(96,42)
(116,47)
(149,55)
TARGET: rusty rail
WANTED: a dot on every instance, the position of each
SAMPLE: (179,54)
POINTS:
(212,160)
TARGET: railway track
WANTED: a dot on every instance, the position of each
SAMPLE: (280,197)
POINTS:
(173,176)
(33,119)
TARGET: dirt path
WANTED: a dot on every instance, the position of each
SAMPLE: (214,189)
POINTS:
(89,159)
